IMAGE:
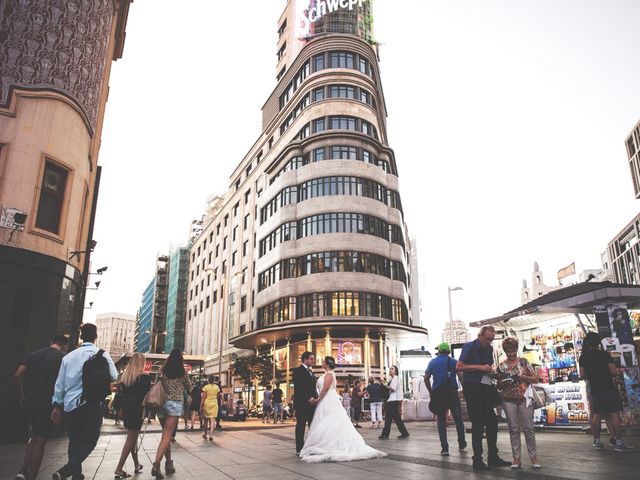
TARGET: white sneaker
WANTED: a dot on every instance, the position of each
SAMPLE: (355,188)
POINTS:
(621,447)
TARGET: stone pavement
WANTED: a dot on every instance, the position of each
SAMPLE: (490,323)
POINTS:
(253,450)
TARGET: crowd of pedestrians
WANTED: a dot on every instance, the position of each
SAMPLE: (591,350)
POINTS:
(53,385)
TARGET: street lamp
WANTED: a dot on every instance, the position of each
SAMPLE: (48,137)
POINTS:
(449,290)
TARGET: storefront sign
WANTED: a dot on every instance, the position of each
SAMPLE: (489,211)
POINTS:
(569,405)
(310,11)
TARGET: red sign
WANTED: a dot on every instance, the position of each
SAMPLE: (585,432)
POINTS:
(147,367)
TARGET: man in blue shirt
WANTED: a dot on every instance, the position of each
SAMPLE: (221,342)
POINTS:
(83,419)
(443,370)
(476,365)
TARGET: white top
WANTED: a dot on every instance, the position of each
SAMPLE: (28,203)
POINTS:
(397,394)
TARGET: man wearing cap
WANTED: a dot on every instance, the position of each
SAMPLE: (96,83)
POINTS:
(443,370)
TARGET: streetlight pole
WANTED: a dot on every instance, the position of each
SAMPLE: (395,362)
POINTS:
(449,290)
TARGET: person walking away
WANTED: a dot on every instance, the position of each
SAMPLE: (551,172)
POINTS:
(210,405)
(393,407)
(442,369)
(304,384)
(36,377)
(135,385)
(83,382)
(356,403)
(266,405)
(220,402)
(276,400)
(599,369)
(476,365)
(194,408)
(374,392)
(515,375)
(175,381)
(116,405)
(345,399)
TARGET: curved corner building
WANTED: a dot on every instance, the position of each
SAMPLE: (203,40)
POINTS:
(319,192)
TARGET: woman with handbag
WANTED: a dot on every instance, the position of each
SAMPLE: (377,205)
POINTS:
(515,376)
(135,385)
(174,381)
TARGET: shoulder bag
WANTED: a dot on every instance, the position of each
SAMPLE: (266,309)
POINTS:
(156,397)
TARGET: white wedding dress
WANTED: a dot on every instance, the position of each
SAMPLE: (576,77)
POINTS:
(332,436)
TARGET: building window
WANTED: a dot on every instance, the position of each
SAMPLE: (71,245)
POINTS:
(237,186)
(318,125)
(224,267)
(226,220)
(245,247)
(234,233)
(53,187)
(235,209)
(318,94)
(224,243)
(217,250)
(245,224)
(246,196)
(243,303)
(233,258)
(318,62)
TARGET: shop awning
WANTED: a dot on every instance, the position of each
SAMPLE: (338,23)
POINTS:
(575,299)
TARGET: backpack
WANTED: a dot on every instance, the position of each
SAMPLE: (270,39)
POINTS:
(96,379)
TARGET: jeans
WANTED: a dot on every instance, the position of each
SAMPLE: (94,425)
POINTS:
(376,412)
(456,412)
(520,419)
(277,410)
(83,424)
(393,415)
(480,406)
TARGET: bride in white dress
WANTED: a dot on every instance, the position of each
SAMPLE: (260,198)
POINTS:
(332,436)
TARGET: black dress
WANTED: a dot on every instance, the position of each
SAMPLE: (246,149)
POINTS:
(132,405)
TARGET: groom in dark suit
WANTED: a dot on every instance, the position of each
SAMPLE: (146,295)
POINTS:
(304,383)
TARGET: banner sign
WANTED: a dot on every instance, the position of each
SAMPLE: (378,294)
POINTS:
(309,12)
(570,405)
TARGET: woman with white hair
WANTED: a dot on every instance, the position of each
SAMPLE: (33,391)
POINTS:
(135,386)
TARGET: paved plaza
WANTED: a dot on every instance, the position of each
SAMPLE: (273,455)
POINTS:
(253,450)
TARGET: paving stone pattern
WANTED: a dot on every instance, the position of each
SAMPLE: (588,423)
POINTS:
(266,452)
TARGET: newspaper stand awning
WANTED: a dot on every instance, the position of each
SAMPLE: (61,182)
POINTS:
(575,299)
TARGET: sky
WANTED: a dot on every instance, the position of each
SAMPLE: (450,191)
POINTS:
(507,117)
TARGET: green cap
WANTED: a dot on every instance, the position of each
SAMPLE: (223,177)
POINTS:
(444,347)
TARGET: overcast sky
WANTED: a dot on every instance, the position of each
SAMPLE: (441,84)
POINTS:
(507,117)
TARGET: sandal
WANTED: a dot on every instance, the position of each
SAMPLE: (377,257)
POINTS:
(168,467)
(138,469)
(211,439)
(121,474)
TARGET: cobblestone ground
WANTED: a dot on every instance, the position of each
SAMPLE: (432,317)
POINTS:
(255,450)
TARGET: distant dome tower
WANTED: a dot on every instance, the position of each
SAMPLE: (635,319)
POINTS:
(525,295)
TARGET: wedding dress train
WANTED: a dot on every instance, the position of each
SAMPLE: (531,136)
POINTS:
(332,436)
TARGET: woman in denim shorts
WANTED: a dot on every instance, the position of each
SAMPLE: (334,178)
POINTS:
(175,382)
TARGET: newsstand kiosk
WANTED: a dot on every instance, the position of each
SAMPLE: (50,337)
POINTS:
(551,329)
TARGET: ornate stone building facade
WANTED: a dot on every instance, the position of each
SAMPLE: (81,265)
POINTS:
(309,249)
(55,59)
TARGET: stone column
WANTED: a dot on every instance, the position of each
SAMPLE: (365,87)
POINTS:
(383,363)
(367,356)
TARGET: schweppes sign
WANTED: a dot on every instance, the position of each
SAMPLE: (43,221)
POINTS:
(310,11)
